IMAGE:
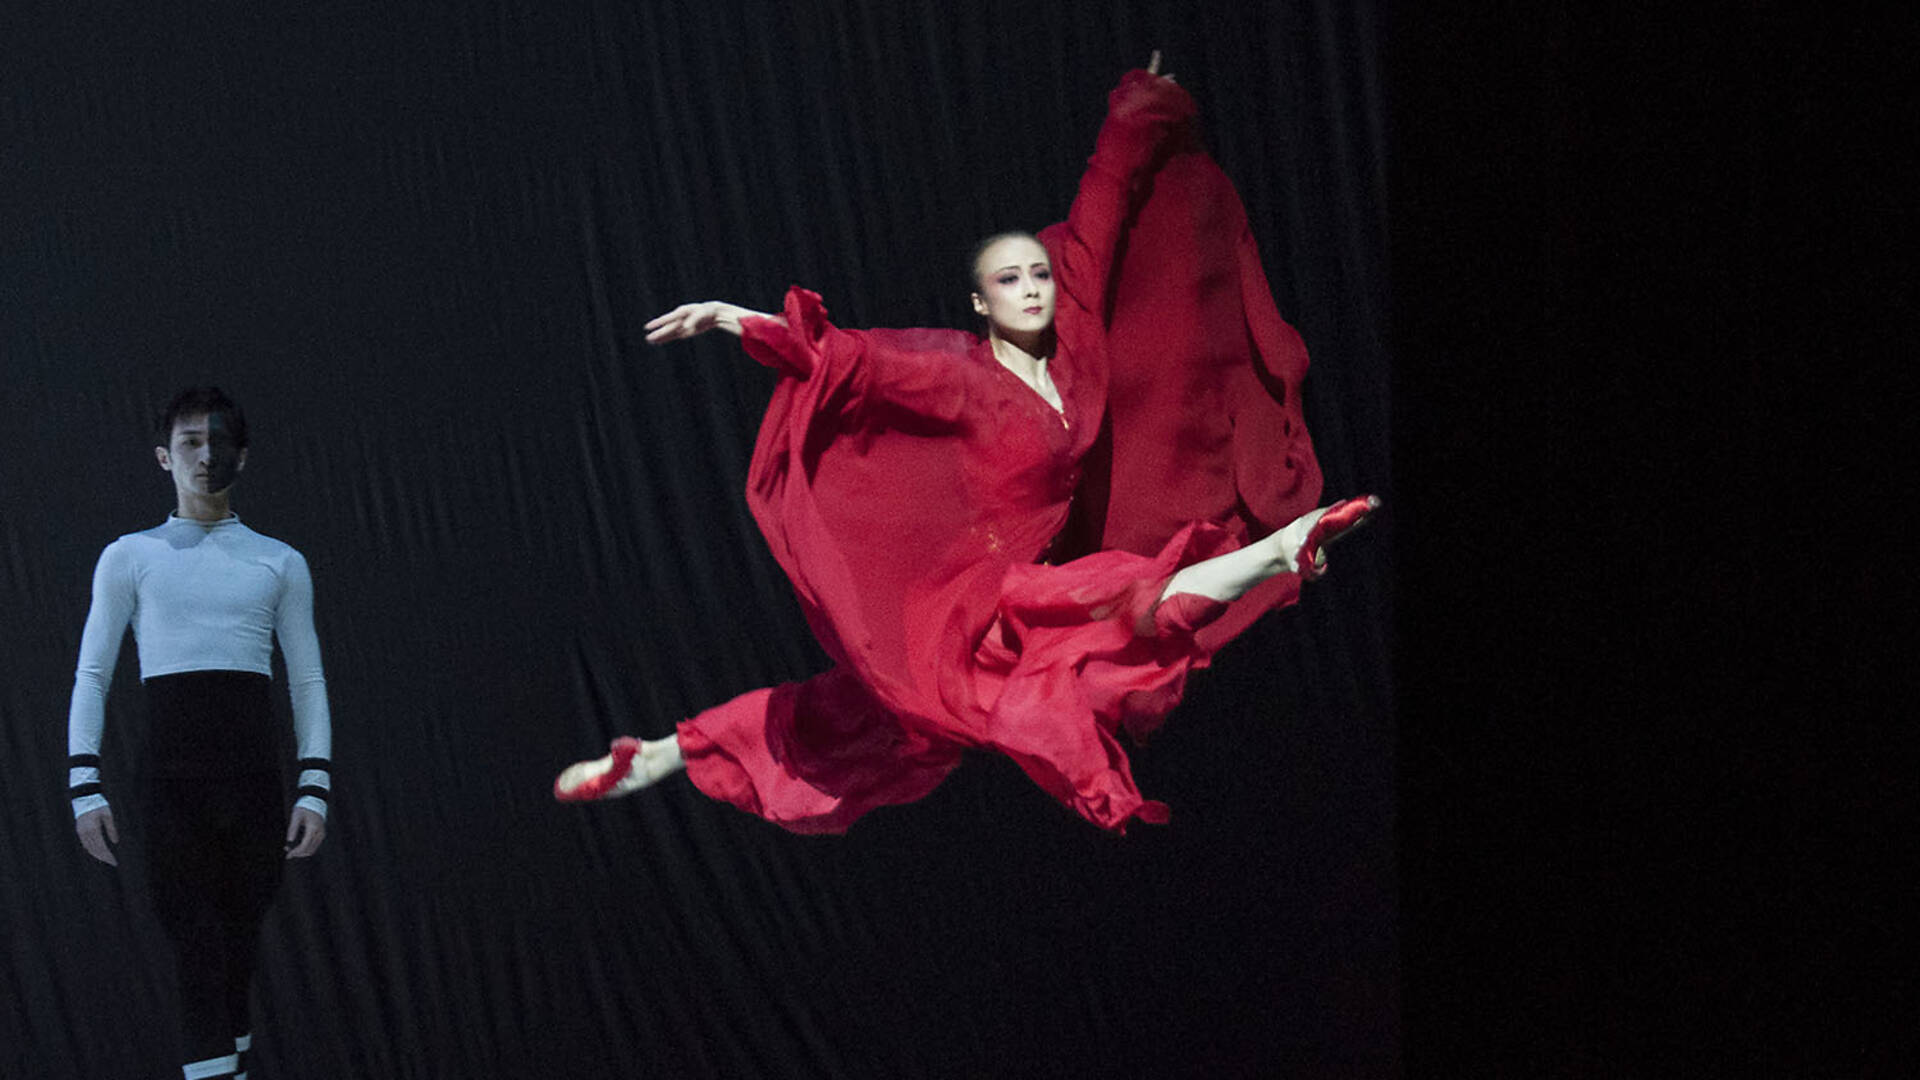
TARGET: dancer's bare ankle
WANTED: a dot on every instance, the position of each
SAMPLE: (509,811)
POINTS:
(1292,536)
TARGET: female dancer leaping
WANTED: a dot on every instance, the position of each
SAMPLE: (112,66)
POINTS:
(911,483)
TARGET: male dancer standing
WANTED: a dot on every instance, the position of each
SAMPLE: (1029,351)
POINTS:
(206,596)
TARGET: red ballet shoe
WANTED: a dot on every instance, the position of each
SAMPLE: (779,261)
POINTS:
(1339,519)
(585,781)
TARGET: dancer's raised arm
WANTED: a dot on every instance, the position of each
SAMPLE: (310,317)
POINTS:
(694,319)
(1143,112)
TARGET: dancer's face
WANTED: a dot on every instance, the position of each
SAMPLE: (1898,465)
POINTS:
(1014,286)
(202,455)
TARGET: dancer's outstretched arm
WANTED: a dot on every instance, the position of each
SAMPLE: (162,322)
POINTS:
(694,319)
(1143,112)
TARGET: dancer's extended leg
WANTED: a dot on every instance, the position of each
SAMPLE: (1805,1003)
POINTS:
(1298,546)
(630,765)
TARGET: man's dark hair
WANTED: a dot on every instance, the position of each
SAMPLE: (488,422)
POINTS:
(195,401)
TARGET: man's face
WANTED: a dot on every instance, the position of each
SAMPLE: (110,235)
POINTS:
(202,455)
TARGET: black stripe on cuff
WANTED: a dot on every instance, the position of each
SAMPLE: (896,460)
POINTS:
(83,761)
(323,764)
(80,790)
(314,790)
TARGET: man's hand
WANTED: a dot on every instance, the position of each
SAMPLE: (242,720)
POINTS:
(97,832)
(304,833)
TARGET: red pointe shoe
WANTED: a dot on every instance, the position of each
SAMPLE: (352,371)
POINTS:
(585,781)
(1339,518)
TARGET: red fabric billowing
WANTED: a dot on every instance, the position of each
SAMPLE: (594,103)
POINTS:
(814,755)
(1203,403)
(909,484)
(1078,651)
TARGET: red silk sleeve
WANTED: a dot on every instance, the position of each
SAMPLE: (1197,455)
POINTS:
(1204,419)
(861,371)
(1274,468)
(1141,113)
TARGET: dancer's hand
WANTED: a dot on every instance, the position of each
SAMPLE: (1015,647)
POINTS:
(96,831)
(304,833)
(692,320)
(1153,66)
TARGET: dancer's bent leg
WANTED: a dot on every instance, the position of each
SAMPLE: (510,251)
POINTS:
(1297,547)
(630,765)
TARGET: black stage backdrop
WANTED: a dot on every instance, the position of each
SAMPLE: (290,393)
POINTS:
(418,242)
(1653,272)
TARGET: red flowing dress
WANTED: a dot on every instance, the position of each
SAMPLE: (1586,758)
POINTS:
(1204,421)
(910,486)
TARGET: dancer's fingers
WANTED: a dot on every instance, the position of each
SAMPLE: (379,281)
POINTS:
(685,321)
(671,315)
(672,325)
(96,829)
(661,327)
(1153,63)
(304,832)
(97,848)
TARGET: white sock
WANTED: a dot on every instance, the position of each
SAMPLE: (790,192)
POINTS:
(666,760)
(1228,577)
(210,1068)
